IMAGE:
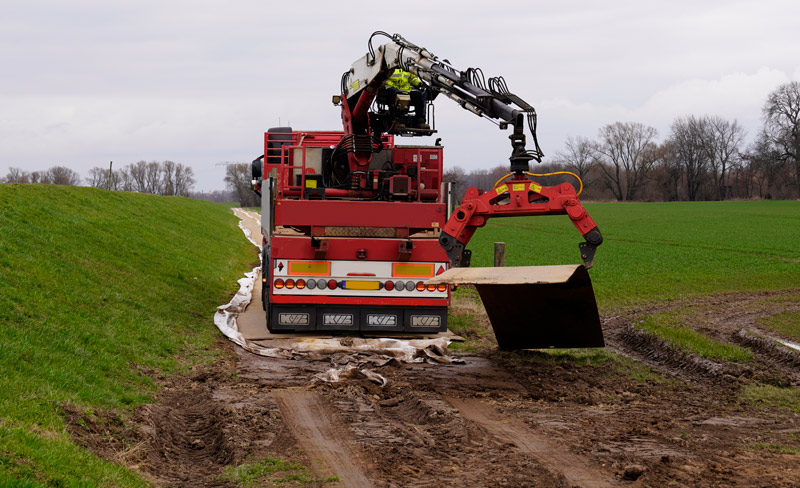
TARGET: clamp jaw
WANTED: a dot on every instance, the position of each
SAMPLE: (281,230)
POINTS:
(516,198)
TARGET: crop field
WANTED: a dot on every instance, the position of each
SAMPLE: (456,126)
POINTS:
(112,374)
(662,251)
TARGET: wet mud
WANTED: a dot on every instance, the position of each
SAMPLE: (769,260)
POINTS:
(649,415)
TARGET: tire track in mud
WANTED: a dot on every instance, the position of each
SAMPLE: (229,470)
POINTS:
(330,448)
(551,455)
(728,318)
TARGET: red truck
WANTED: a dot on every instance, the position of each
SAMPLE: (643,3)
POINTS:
(361,234)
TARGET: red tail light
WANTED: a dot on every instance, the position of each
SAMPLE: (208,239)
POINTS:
(289,283)
(332,284)
(431,287)
(420,286)
(389,285)
(279,283)
(301,283)
(441,287)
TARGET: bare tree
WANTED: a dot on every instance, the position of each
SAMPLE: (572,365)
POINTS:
(722,141)
(688,142)
(98,177)
(123,179)
(138,174)
(766,170)
(184,180)
(458,177)
(16,175)
(579,156)
(666,176)
(781,114)
(168,178)
(41,177)
(61,175)
(152,178)
(627,152)
(237,179)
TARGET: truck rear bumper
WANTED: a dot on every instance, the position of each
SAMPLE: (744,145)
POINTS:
(344,318)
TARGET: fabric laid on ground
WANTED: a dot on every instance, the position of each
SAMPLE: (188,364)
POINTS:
(357,351)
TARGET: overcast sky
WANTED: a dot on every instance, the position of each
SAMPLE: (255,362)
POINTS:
(198,82)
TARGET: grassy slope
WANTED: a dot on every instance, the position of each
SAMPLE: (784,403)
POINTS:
(656,251)
(97,287)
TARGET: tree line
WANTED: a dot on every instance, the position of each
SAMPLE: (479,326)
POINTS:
(159,178)
(702,158)
(156,177)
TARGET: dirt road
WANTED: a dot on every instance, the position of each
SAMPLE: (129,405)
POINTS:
(644,415)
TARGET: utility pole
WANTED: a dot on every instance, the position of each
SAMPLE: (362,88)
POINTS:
(110,163)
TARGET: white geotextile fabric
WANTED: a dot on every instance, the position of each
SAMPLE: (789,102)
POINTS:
(380,349)
(792,345)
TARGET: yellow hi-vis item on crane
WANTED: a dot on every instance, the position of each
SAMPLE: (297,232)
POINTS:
(402,81)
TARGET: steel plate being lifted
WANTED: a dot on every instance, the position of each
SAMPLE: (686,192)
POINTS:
(535,307)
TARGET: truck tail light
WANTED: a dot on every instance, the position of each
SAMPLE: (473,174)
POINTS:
(431,287)
(321,283)
(289,284)
(279,283)
(420,286)
(301,283)
(332,284)
(389,285)
(311,284)
(441,287)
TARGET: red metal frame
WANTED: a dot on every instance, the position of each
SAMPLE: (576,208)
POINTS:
(426,211)
(346,249)
(516,198)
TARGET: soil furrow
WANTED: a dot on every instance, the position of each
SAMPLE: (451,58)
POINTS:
(327,442)
(553,456)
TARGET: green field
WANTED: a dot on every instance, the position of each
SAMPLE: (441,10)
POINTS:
(98,289)
(659,251)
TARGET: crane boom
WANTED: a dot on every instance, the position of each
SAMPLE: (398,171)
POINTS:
(469,89)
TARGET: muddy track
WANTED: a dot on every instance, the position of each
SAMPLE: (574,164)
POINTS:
(541,447)
(501,419)
(326,441)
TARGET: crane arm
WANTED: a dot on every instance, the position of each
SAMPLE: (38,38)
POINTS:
(469,89)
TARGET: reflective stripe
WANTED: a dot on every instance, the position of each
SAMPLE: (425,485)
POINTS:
(402,80)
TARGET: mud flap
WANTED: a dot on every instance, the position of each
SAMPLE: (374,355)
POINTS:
(535,307)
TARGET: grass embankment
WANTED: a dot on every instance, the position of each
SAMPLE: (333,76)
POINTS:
(96,289)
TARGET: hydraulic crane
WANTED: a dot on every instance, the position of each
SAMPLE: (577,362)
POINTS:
(350,218)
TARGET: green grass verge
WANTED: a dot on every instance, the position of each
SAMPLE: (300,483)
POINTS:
(774,396)
(275,472)
(97,290)
(776,448)
(658,251)
(666,327)
(786,323)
